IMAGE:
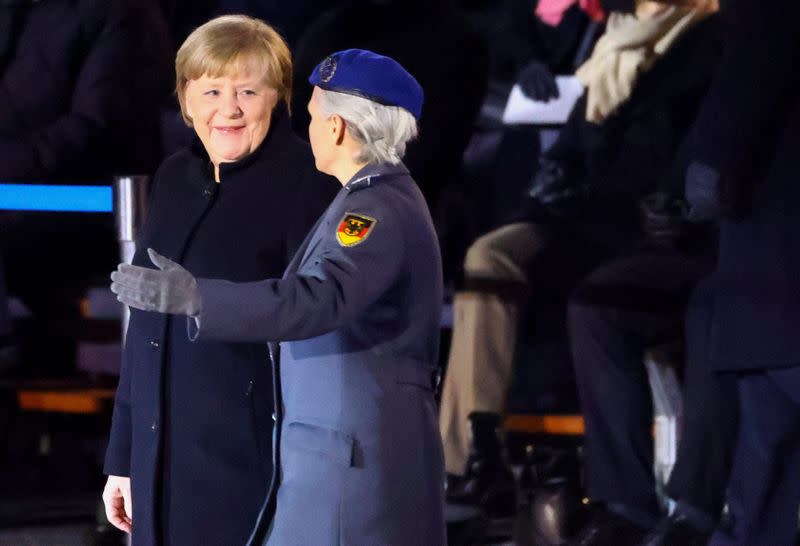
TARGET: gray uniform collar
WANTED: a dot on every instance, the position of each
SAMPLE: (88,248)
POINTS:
(368,173)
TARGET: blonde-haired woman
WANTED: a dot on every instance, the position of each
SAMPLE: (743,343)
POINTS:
(189,457)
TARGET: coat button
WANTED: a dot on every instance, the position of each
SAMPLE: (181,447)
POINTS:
(274,417)
(154,427)
(154,344)
(207,192)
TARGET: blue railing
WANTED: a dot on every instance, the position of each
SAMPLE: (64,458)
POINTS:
(35,197)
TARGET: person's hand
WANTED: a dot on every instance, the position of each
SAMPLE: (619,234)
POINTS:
(703,192)
(117,501)
(537,82)
(169,289)
(663,217)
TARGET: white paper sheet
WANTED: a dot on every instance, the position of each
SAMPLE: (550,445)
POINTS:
(522,110)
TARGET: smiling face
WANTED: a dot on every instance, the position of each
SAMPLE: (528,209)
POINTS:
(230,114)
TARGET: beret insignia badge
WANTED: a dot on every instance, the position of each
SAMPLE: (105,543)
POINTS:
(354,229)
(327,69)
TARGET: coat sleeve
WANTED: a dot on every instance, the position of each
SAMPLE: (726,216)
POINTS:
(334,286)
(751,91)
(118,452)
(121,75)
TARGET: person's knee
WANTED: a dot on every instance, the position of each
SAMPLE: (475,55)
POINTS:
(483,256)
(585,318)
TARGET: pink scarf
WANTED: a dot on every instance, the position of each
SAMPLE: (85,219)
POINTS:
(552,12)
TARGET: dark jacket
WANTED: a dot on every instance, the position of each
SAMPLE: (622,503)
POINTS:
(613,165)
(437,47)
(749,130)
(357,313)
(192,425)
(80,84)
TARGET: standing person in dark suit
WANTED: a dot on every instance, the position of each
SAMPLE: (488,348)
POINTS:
(81,82)
(357,312)
(746,171)
(191,435)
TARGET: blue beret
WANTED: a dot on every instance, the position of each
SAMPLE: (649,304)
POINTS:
(366,74)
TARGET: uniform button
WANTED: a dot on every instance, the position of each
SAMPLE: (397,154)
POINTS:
(154,344)
(274,417)
(154,427)
(207,192)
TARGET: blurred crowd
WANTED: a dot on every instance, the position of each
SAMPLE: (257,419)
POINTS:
(655,222)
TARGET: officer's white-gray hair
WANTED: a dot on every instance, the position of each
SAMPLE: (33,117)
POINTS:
(382,130)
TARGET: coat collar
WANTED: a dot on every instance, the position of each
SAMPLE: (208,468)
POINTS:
(368,173)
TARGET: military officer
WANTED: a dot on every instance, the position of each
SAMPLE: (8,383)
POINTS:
(357,315)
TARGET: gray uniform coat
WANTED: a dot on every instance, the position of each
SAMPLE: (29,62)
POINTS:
(357,312)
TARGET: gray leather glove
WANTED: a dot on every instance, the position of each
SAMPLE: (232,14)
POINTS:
(169,289)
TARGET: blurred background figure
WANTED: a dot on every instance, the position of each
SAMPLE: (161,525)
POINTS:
(191,437)
(290,19)
(644,82)
(744,173)
(81,83)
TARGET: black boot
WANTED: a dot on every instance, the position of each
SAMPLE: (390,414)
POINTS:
(607,528)
(488,482)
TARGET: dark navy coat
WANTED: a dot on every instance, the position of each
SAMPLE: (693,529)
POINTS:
(749,130)
(191,423)
(357,312)
(81,88)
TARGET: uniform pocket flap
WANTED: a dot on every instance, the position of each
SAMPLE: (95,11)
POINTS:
(317,439)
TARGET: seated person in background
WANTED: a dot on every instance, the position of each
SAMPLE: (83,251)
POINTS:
(617,313)
(80,84)
(529,40)
(644,81)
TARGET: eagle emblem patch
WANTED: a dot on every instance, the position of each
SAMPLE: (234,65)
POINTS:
(354,228)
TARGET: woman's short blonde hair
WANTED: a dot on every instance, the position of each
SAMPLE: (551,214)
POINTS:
(231,45)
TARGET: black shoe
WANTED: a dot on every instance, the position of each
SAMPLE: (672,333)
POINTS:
(488,482)
(557,511)
(676,530)
(609,529)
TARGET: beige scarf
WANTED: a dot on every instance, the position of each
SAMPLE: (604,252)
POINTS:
(629,47)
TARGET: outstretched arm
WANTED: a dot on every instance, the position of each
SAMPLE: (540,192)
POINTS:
(335,284)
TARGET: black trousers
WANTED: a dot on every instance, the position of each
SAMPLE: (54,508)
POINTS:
(764,492)
(615,315)
(710,417)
